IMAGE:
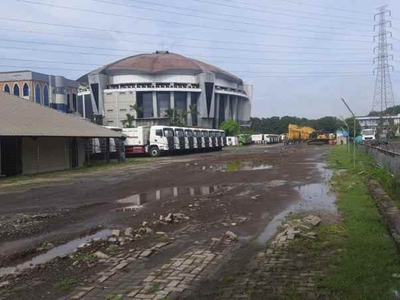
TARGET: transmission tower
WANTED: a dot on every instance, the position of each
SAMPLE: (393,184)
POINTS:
(383,95)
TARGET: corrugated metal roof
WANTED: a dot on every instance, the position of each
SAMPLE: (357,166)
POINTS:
(20,117)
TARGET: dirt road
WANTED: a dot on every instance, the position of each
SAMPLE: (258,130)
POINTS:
(177,210)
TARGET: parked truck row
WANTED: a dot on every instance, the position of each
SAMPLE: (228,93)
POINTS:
(156,140)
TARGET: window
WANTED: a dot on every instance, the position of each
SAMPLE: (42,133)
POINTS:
(68,102)
(159,132)
(180,101)
(46,95)
(163,100)
(25,91)
(189,133)
(179,133)
(168,132)
(16,90)
(74,102)
(145,103)
(6,88)
(38,96)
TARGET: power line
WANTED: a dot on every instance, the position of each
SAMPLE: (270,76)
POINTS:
(236,21)
(164,36)
(314,75)
(135,51)
(186,24)
(253,61)
(264,76)
(150,43)
(283,14)
(313,5)
(238,71)
(247,17)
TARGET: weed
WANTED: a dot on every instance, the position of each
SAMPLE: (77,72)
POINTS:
(65,285)
(112,249)
(228,279)
(86,258)
(113,297)
(154,287)
(163,239)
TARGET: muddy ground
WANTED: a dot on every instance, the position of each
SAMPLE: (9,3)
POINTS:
(245,190)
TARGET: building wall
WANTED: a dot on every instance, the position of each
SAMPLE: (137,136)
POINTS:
(59,88)
(46,154)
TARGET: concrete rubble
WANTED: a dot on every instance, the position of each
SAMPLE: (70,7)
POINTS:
(296,228)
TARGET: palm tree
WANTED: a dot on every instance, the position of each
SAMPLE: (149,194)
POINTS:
(193,112)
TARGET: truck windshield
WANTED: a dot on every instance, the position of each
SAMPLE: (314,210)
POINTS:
(205,134)
(179,132)
(368,132)
(168,132)
(189,133)
(197,133)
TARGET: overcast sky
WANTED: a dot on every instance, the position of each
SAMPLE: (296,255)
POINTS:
(302,56)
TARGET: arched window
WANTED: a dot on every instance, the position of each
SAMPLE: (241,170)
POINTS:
(16,90)
(6,88)
(68,103)
(25,90)
(38,96)
(46,95)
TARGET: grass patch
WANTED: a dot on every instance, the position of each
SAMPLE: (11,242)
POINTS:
(68,174)
(86,257)
(65,285)
(366,256)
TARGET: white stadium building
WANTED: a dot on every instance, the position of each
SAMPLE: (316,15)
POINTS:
(161,81)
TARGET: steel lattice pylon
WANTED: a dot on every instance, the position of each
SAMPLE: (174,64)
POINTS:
(383,95)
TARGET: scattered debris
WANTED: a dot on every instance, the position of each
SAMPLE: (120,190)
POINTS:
(115,232)
(101,255)
(4,284)
(128,231)
(229,235)
(314,220)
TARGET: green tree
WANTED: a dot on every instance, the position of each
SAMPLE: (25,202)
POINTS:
(177,117)
(231,127)
(130,118)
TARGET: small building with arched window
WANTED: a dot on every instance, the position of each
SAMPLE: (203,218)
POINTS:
(46,90)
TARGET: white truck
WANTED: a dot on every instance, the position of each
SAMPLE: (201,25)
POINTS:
(155,140)
(368,134)
(152,140)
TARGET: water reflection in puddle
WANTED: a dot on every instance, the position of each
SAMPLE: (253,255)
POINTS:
(156,195)
(242,166)
(55,252)
(313,197)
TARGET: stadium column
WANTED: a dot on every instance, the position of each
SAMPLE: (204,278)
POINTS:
(155,109)
(188,103)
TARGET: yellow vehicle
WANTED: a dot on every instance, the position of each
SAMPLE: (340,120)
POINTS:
(298,134)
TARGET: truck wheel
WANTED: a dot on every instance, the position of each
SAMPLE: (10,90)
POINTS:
(154,152)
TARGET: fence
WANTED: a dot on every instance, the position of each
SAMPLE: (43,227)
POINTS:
(388,159)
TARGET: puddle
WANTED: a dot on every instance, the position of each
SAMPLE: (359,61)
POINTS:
(53,253)
(275,183)
(313,197)
(242,166)
(138,200)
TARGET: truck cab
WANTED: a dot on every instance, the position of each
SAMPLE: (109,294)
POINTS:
(179,138)
(198,140)
(189,138)
(161,139)
(368,135)
(207,139)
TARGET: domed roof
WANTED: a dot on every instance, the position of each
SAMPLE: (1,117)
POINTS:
(160,62)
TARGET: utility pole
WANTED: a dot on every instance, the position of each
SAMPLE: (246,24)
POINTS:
(354,131)
(383,94)
(348,133)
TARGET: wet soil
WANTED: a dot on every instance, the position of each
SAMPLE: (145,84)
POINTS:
(242,190)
